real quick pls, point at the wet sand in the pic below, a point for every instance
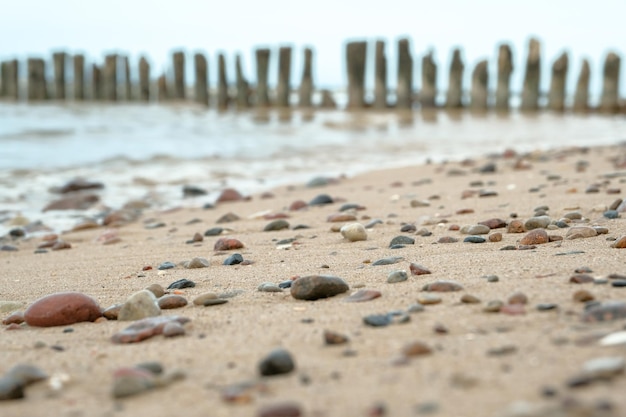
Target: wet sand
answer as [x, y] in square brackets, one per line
[538, 351]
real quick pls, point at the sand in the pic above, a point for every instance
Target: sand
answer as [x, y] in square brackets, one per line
[223, 344]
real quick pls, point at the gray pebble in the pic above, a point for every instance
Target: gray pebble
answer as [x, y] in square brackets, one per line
[397, 276]
[277, 362]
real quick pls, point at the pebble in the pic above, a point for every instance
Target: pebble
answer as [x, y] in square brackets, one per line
[491, 278]
[111, 313]
[608, 311]
[516, 226]
[513, 309]
[197, 262]
[583, 296]
[193, 191]
[173, 329]
[77, 184]
[227, 244]
[229, 194]
[474, 239]
[613, 339]
[351, 206]
[535, 237]
[202, 298]
[495, 237]
[416, 348]
[415, 308]
[354, 232]
[233, 259]
[277, 362]
[428, 299]
[61, 245]
[16, 317]
[334, 338]
[546, 306]
[340, 217]
[269, 287]
[314, 287]
[377, 320]
[197, 237]
[171, 301]
[470, 299]
[581, 279]
[285, 284]
[284, 409]
[537, 222]
[228, 218]
[494, 223]
[13, 382]
[297, 205]
[518, 298]
[417, 269]
[388, 261]
[580, 232]
[140, 305]
[145, 328]
[274, 225]
[214, 231]
[475, 229]
[180, 284]
[493, 306]
[63, 308]
[442, 286]
[618, 283]
[8, 248]
[215, 302]
[156, 289]
[362, 295]
[619, 243]
[320, 200]
[373, 223]
[402, 240]
[408, 228]
[611, 214]
[447, 239]
[166, 265]
[132, 381]
[397, 276]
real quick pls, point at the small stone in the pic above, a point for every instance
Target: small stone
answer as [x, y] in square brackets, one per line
[362, 295]
[417, 269]
[201, 299]
[61, 245]
[518, 298]
[156, 289]
[340, 217]
[314, 287]
[285, 284]
[13, 382]
[415, 308]
[493, 306]
[197, 237]
[416, 349]
[132, 381]
[277, 362]
[377, 320]
[492, 278]
[619, 243]
[402, 240]
[618, 283]
[353, 232]
[397, 276]
[408, 228]
[145, 328]
[228, 218]
[16, 317]
[195, 263]
[180, 284]
[604, 367]
[193, 191]
[614, 339]
[495, 237]
[475, 229]
[230, 194]
[516, 226]
[581, 279]
[269, 287]
[494, 223]
[214, 302]
[111, 313]
[608, 311]
[166, 265]
[546, 306]
[321, 200]
[579, 232]
[442, 286]
[583, 296]
[140, 305]
[537, 222]
[284, 409]
[502, 350]
[227, 244]
[611, 214]
[474, 239]
[351, 206]
[447, 239]
[61, 309]
[388, 261]
[233, 259]
[470, 299]
[334, 338]
[171, 301]
[513, 309]
[173, 329]
[535, 237]
[428, 299]
[274, 225]
[214, 231]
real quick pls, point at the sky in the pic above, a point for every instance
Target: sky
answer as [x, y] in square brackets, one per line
[157, 27]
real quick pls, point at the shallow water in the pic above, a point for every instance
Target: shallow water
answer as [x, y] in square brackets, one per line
[150, 152]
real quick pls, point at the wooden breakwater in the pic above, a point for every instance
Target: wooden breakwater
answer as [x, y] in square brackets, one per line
[112, 80]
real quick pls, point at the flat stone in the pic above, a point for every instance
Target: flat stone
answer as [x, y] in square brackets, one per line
[604, 367]
[362, 295]
[402, 240]
[321, 199]
[269, 287]
[474, 239]
[180, 284]
[61, 309]
[334, 338]
[475, 229]
[428, 299]
[470, 299]
[283, 409]
[274, 225]
[314, 287]
[171, 301]
[581, 279]
[227, 244]
[494, 223]
[145, 328]
[140, 305]
[388, 261]
[277, 362]
[447, 239]
[442, 286]
[197, 262]
[537, 222]
[578, 232]
[233, 259]
[377, 320]
[353, 232]
[214, 231]
[200, 300]
[535, 237]
[397, 276]
[228, 218]
[166, 265]
[20, 376]
[416, 349]
[341, 217]
[608, 311]
[417, 269]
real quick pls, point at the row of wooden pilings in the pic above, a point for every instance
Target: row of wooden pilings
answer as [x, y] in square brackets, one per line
[113, 81]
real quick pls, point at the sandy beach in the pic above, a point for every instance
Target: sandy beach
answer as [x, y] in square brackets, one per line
[523, 359]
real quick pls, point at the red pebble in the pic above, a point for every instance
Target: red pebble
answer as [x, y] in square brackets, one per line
[146, 268]
[227, 244]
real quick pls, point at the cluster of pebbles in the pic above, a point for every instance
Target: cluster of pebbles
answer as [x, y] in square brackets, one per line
[157, 312]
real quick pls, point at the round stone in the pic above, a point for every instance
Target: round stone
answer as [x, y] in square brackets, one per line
[61, 309]
[278, 224]
[354, 232]
[314, 287]
[397, 276]
[277, 362]
[197, 263]
[535, 237]
[170, 301]
[140, 305]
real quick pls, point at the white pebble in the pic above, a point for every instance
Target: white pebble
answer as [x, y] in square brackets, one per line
[353, 232]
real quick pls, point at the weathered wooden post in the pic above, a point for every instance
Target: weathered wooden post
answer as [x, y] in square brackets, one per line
[283, 87]
[405, 76]
[201, 92]
[581, 97]
[127, 81]
[609, 102]
[428, 95]
[109, 78]
[59, 59]
[222, 83]
[480, 87]
[179, 75]
[505, 68]
[556, 97]
[262, 65]
[162, 93]
[243, 88]
[144, 79]
[380, 76]
[36, 79]
[355, 58]
[305, 93]
[79, 77]
[532, 77]
[454, 96]
[13, 89]
[98, 90]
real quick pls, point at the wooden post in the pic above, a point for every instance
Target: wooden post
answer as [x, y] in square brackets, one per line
[454, 96]
[355, 58]
[243, 88]
[98, 89]
[79, 77]
[404, 93]
[505, 68]
[179, 75]
[144, 79]
[556, 97]
[532, 78]
[127, 82]
[222, 83]
[36, 79]
[59, 59]
[109, 78]
[12, 79]
[305, 93]
[609, 102]
[262, 65]
[480, 87]
[201, 92]
[428, 95]
[283, 88]
[3, 79]
[162, 93]
[380, 76]
[581, 97]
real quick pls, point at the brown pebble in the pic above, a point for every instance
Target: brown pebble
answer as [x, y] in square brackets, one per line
[230, 194]
[340, 217]
[495, 237]
[454, 227]
[334, 338]
[470, 299]
[362, 295]
[60, 245]
[227, 244]
[13, 326]
[447, 239]
[111, 313]
[516, 226]
[440, 329]
[156, 289]
[416, 349]
[619, 243]
[442, 286]
[518, 298]
[581, 279]
[298, 205]
[171, 301]
[286, 409]
[63, 308]
[417, 269]
[583, 296]
[494, 223]
[535, 237]
[14, 318]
